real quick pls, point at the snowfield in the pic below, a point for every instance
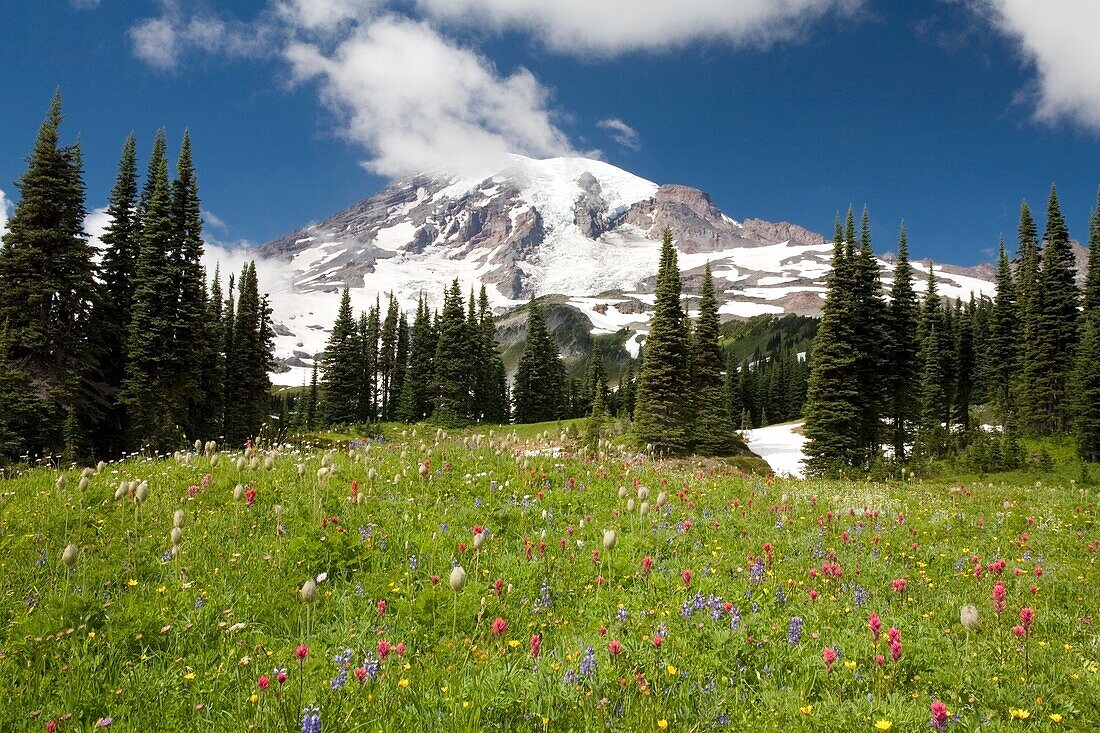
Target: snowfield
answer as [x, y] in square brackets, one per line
[780, 446]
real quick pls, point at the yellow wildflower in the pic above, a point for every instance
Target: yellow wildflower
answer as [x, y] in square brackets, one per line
[806, 709]
[671, 669]
[1056, 717]
[131, 582]
[1019, 713]
[662, 724]
[403, 683]
[254, 698]
[883, 724]
[849, 664]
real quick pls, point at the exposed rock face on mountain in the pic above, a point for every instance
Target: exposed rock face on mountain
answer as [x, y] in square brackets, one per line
[572, 227]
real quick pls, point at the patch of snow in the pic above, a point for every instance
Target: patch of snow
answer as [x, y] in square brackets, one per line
[394, 239]
[746, 309]
[780, 446]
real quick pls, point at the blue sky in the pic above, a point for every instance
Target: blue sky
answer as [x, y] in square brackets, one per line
[942, 113]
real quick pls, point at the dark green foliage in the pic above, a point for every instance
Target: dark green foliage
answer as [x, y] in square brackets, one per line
[342, 363]
[387, 361]
[247, 383]
[1055, 316]
[539, 388]
[367, 364]
[46, 288]
[121, 240]
[454, 377]
[151, 401]
[594, 428]
[492, 382]
[832, 399]
[712, 429]
[901, 343]
[659, 409]
[963, 337]
[400, 367]
[870, 333]
[1004, 360]
[935, 337]
[1092, 278]
[1086, 393]
[416, 392]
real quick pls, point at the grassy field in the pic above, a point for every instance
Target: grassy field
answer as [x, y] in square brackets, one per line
[720, 602]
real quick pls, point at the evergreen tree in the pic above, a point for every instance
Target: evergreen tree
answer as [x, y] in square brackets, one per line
[369, 337]
[539, 388]
[595, 377]
[935, 400]
[869, 311]
[229, 317]
[416, 392]
[453, 393]
[492, 378]
[312, 398]
[387, 359]
[189, 314]
[1004, 362]
[400, 367]
[832, 417]
[1092, 278]
[209, 403]
[964, 361]
[712, 424]
[247, 410]
[1086, 392]
[901, 343]
[46, 285]
[595, 426]
[1055, 317]
[121, 239]
[150, 373]
[659, 416]
[341, 366]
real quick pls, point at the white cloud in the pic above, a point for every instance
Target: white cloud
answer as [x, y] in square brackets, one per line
[1060, 40]
[84, 4]
[156, 42]
[621, 133]
[6, 207]
[420, 102]
[324, 15]
[274, 276]
[95, 224]
[609, 27]
[210, 219]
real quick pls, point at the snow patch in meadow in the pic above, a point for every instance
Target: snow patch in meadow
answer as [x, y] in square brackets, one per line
[780, 446]
[746, 309]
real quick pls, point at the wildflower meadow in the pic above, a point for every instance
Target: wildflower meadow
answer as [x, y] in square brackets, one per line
[497, 581]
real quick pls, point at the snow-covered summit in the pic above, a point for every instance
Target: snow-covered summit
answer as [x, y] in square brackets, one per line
[575, 227]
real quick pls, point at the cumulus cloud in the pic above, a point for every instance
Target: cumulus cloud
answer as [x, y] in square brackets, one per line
[621, 133]
[5, 211]
[609, 27]
[230, 258]
[420, 102]
[1059, 40]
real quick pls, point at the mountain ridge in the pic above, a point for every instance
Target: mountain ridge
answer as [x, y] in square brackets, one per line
[572, 227]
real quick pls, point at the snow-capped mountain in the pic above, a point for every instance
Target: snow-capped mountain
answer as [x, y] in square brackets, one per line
[573, 227]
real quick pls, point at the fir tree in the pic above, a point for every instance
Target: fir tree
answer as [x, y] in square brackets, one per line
[453, 394]
[208, 402]
[659, 419]
[1092, 278]
[416, 392]
[400, 367]
[370, 328]
[1004, 361]
[901, 344]
[189, 314]
[869, 312]
[1086, 393]
[492, 378]
[539, 388]
[148, 387]
[121, 239]
[387, 359]
[964, 361]
[341, 367]
[832, 416]
[47, 289]
[712, 424]
[595, 425]
[247, 412]
[1055, 317]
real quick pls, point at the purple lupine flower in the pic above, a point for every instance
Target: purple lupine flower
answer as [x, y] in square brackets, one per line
[794, 630]
[311, 720]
